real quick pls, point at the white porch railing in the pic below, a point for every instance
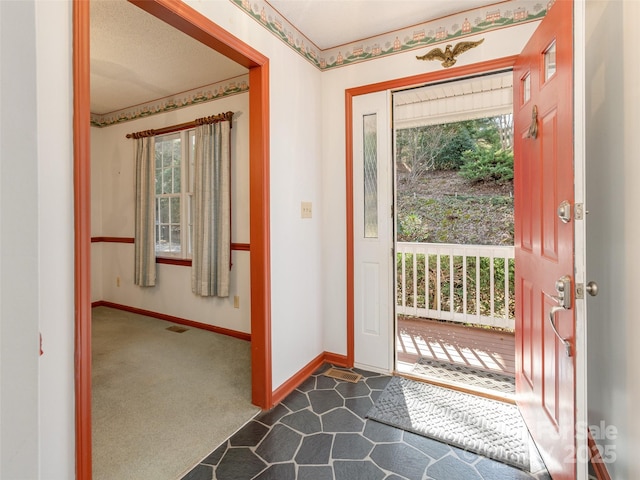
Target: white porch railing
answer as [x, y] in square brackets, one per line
[462, 283]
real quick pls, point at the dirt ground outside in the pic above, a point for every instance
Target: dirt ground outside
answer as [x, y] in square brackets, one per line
[443, 207]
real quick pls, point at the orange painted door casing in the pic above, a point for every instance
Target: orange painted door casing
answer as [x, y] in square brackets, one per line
[544, 244]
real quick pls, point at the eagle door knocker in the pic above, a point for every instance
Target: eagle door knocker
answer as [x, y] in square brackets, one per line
[450, 53]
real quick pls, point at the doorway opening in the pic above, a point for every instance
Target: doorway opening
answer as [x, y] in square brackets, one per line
[454, 234]
[550, 367]
[194, 24]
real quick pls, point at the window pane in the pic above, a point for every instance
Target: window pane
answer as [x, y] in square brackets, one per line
[165, 153]
[176, 180]
[175, 238]
[168, 193]
[175, 210]
[526, 88]
[176, 153]
[159, 169]
[550, 61]
[158, 179]
[168, 158]
[163, 244]
[163, 210]
[370, 139]
[167, 180]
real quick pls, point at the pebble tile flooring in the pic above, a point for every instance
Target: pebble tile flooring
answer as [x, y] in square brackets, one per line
[319, 432]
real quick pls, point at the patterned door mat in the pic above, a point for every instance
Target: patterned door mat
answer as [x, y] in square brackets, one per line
[486, 427]
[465, 375]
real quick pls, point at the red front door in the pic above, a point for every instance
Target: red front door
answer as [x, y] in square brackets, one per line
[544, 189]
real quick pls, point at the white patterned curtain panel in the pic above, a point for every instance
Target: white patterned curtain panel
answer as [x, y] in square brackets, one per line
[145, 249]
[212, 210]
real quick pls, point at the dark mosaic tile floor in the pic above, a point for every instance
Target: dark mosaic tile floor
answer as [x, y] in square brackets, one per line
[319, 433]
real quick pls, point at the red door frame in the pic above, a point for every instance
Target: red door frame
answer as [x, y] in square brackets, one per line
[204, 30]
[396, 84]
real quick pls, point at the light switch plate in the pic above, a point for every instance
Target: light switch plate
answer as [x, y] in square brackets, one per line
[305, 210]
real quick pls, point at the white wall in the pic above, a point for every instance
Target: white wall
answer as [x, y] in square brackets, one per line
[612, 197]
[307, 257]
[297, 314]
[36, 236]
[113, 200]
[55, 204]
[19, 293]
[497, 44]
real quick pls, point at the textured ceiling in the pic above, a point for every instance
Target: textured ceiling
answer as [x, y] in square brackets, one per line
[330, 23]
[136, 58]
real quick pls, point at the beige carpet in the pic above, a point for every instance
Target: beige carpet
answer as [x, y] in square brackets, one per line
[162, 400]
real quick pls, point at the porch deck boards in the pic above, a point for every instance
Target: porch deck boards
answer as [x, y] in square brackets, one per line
[476, 347]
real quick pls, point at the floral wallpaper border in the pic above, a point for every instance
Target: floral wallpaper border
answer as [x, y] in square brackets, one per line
[189, 98]
[500, 15]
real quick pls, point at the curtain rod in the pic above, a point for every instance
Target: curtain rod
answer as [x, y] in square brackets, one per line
[221, 117]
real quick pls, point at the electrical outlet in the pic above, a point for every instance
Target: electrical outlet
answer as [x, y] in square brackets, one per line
[117, 281]
[236, 301]
[305, 210]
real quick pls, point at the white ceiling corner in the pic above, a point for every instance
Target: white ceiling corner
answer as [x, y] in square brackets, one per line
[331, 23]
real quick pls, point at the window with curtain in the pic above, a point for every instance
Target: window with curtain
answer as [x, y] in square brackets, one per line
[183, 202]
[174, 157]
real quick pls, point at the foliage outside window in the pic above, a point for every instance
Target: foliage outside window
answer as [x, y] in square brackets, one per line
[174, 155]
[442, 147]
[455, 182]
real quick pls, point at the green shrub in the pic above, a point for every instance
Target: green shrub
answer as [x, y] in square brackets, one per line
[456, 141]
[487, 165]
